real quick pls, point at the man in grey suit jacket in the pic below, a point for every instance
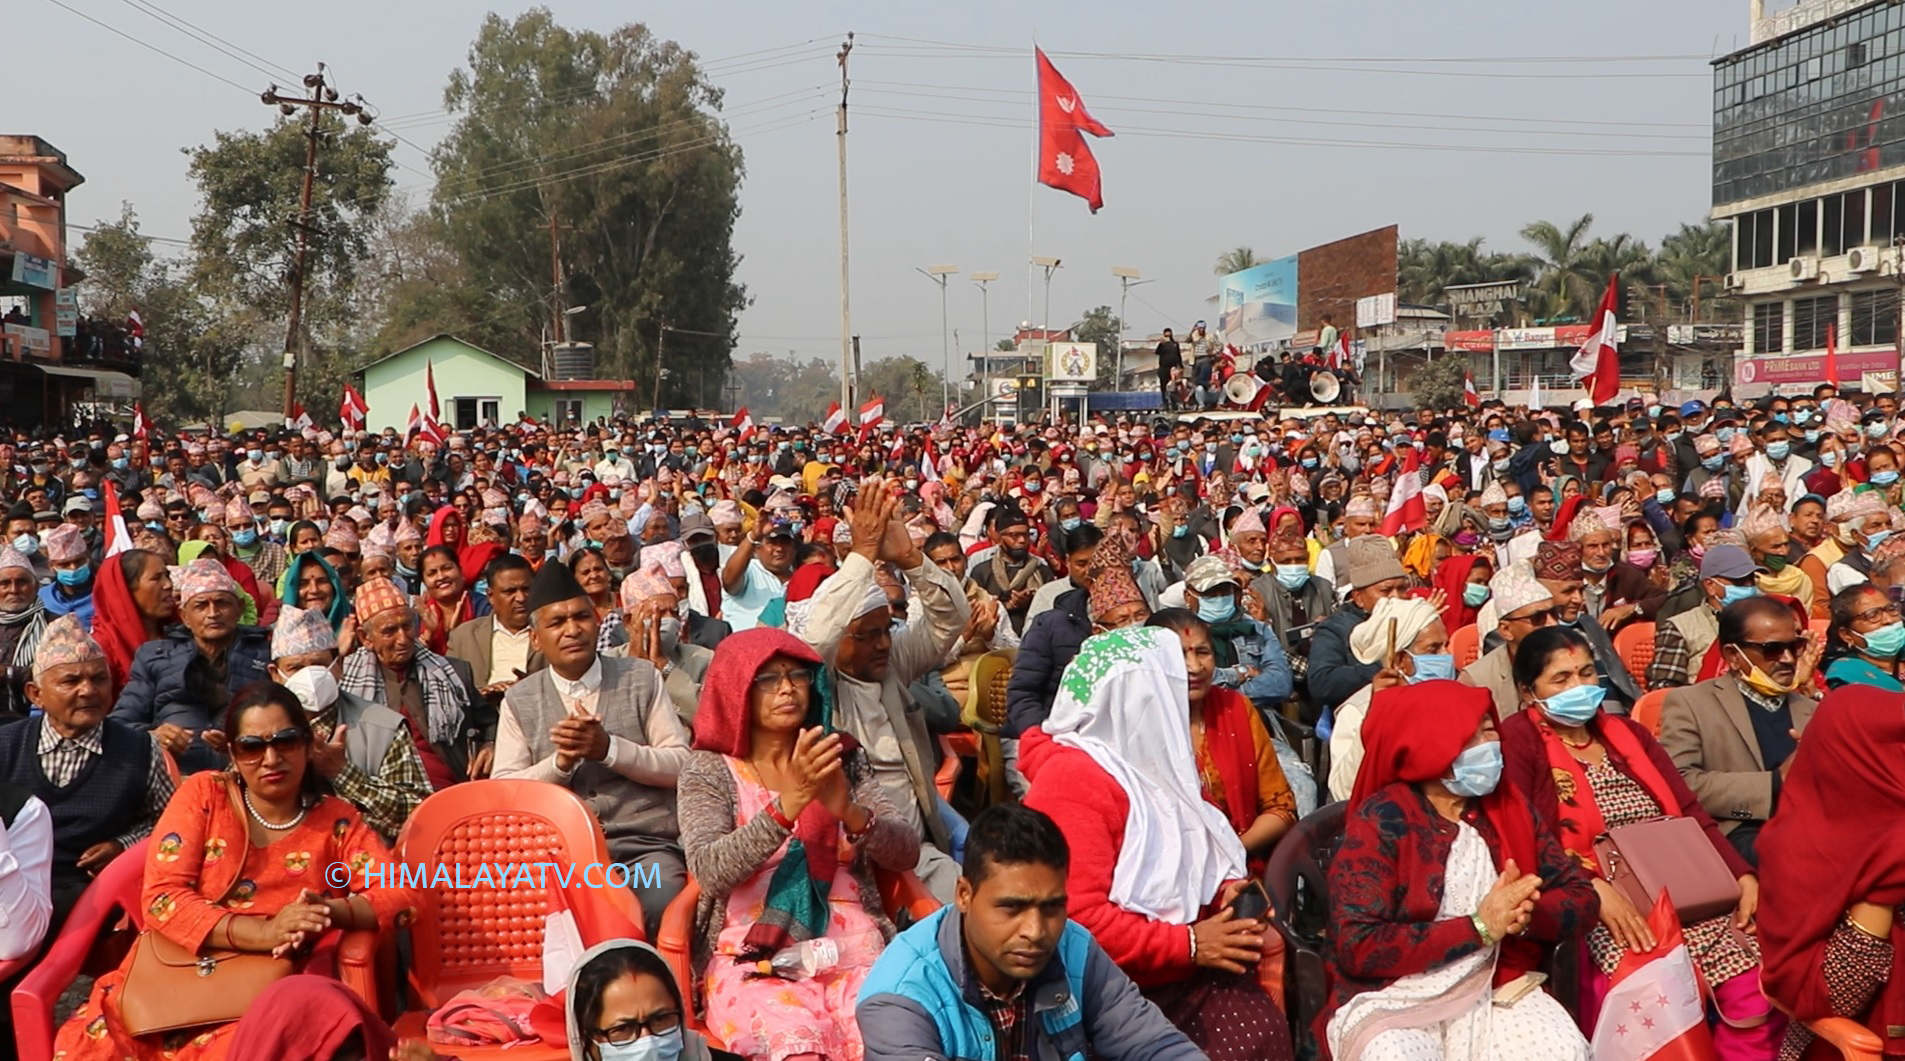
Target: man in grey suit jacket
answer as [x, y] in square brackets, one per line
[1733, 737]
[497, 646]
[605, 729]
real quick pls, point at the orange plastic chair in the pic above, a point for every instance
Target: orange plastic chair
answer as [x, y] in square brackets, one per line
[1465, 644]
[465, 937]
[1854, 1041]
[1647, 710]
[1634, 644]
[903, 894]
[948, 774]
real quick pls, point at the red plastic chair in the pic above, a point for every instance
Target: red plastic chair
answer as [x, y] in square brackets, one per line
[465, 937]
[1634, 644]
[899, 893]
[947, 776]
[98, 934]
[1465, 644]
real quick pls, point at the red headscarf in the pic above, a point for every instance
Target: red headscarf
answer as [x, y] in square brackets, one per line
[1838, 839]
[470, 559]
[1451, 577]
[117, 624]
[1413, 733]
[1564, 515]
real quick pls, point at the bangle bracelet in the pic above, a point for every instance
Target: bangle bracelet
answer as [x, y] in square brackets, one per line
[1193, 929]
[780, 817]
[1481, 929]
[854, 836]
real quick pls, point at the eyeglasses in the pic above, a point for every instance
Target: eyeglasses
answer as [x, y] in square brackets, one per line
[251, 748]
[1777, 649]
[870, 637]
[771, 680]
[1540, 618]
[1883, 611]
[624, 1032]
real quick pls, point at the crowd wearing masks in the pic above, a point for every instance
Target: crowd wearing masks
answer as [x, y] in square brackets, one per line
[1079, 683]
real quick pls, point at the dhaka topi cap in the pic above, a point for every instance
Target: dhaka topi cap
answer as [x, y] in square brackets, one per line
[300, 632]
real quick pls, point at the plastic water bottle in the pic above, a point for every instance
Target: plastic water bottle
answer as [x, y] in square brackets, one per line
[802, 960]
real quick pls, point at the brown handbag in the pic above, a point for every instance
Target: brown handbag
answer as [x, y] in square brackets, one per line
[1672, 853]
[168, 987]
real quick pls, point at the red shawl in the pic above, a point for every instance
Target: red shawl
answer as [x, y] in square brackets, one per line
[1581, 819]
[1230, 748]
[1413, 733]
[117, 624]
[1451, 577]
[1558, 531]
[446, 528]
[436, 621]
[1837, 839]
[310, 1018]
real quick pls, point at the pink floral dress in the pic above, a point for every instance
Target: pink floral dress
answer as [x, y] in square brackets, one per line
[764, 1017]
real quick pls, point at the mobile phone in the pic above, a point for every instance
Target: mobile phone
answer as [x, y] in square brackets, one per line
[1252, 903]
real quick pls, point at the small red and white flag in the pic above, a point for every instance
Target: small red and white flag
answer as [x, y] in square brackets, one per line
[353, 409]
[298, 418]
[136, 327]
[836, 419]
[1469, 396]
[118, 538]
[430, 385]
[742, 424]
[928, 464]
[1832, 356]
[1065, 160]
[1339, 357]
[873, 411]
[140, 429]
[1407, 512]
[1653, 1010]
[413, 425]
[433, 432]
[1598, 362]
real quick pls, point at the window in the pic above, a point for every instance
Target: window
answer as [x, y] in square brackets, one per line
[1875, 317]
[1811, 316]
[1808, 212]
[1753, 248]
[490, 409]
[1769, 328]
[1853, 230]
[470, 411]
[1882, 213]
[1832, 241]
[568, 412]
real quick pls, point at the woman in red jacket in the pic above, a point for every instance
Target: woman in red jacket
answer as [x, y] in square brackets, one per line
[1154, 865]
[1586, 772]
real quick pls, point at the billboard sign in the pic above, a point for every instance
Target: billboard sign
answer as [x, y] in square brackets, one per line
[32, 339]
[1258, 305]
[1374, 311]
[1811, 368]
[1072, 361]
[36, 272]
[65, 313]
[1472, 342]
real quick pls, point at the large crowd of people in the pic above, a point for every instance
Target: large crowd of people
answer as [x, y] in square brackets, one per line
[1493, 637]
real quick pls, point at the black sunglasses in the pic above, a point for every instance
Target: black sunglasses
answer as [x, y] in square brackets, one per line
[1776, 649]
[251, 748]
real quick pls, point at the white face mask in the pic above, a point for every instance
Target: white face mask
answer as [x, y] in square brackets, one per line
[315, 687]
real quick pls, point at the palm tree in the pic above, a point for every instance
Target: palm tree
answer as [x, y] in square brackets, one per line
[1236, 260]
[1566, 281]
[1694, 251]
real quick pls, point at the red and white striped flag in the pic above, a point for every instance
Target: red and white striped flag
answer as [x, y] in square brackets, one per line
[873, 411]
[140, 429]
[1469, 397]
[413, 425]
[1598, 362]
[353, 409]
[136, 327]
[298, 418]
[430, 385]
[433, 431]
[836, 419]
[1339, 357]
[742, 425]
[1407, 512]
[1653, 1010]
[118, 538]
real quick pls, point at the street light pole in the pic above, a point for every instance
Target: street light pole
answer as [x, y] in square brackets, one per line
[938, 274]
[985, 335]
[1126, 278]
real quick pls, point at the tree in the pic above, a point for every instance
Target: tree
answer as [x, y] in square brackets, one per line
[245, 236]
[610, 145]
[1424, 269]
[1696, 251]
[1236, 260]
[1099, 325]
[1439, 384]
[910, 386]
[1566, 282]
[1005, 346]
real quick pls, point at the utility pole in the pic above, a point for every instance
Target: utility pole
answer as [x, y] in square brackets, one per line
[323, 97]
[555, 271]
[846, 316]
[985, 341]
[661, 342]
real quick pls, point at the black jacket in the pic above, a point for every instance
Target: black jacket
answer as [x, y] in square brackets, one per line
[1048, 647]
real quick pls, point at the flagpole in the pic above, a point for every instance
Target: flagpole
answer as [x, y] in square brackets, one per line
[1031, 201]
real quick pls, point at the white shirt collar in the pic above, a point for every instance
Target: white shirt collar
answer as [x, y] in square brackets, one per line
[590, 681]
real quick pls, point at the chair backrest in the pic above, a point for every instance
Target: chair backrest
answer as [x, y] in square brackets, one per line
[985, 690]
[1465, 644]
[1634, 644]
[1298, 879]
[465, 936]
[1648, 708]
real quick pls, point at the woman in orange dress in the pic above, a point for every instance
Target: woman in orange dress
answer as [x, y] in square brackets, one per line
[216, 881]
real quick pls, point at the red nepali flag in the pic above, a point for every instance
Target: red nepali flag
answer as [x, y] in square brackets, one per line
[1469, 397]
[1832, 357]
[1065, 160]
[1598, 362]
[836, 419]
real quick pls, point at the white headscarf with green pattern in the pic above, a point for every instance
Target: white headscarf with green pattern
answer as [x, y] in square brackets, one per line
[1125, 701]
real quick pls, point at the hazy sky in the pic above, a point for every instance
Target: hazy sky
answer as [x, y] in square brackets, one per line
[1240, 123]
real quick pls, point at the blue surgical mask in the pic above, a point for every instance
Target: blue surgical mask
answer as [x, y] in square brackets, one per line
[1292, 576]
[1781, 417]
[1559, 447]
[1876, 539]
[1885, 478]
[1725, 435]
[1875, 430]
[257, 455]
[75, 577]
[1475, 594]
[1812, 434]
[1829, 458]
[1180, 531]
[1237, 440]
[1216, 609]
[1517, 504]
[1653, 410]
[1476, 771]
[1665, 495]
[1779, 450]
[1499, 523]
[1736, 594]
[663, 1047]
[1887, 641]
[1310, 462]
[245, 538]
[1433, 666]
[27, 543]
[121, 463]
[1574, 706]
[1712, 463]
[1501, 467]
[1070, 523]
